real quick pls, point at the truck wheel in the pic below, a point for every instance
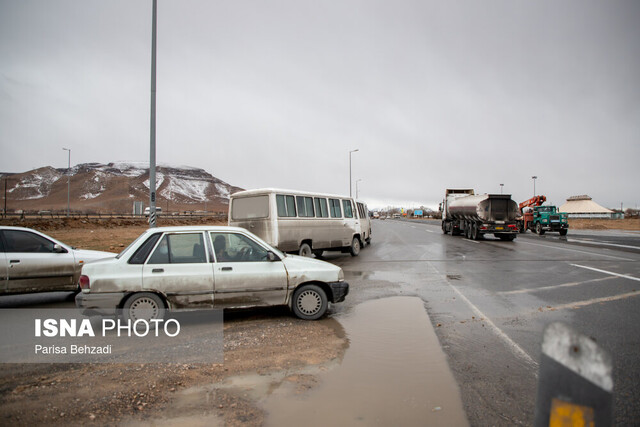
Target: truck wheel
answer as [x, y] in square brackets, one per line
[143, 306]
[309, 302]
[305, 250]
[563, 232]
[354, 249]
[539, 229]
[444, 228]
[474, 232]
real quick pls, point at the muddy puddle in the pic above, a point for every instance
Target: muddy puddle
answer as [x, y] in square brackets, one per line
[392, 373]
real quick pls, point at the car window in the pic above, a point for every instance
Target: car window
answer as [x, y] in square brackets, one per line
[348, 208]
[184, 248]
[142, 252]
[235, 247]
[24, 241]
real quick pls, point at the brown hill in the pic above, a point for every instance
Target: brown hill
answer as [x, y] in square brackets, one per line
[113, 188]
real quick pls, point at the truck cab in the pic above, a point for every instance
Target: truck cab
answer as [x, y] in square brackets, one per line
[547, 218]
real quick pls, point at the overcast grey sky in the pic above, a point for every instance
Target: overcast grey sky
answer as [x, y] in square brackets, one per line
[261, 93]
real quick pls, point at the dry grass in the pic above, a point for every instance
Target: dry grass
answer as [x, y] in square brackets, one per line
[604, 224]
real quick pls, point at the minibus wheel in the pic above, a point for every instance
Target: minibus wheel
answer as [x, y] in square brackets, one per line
[354, 249]
[305, 250]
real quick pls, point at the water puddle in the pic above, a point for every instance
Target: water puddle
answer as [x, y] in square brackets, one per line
[393, 373]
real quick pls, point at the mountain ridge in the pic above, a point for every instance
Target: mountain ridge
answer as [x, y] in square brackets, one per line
[113, 187]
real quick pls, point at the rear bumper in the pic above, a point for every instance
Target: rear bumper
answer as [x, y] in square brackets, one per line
[339, 291]
[99, 303]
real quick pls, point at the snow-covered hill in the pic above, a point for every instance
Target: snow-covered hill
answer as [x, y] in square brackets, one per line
[113, 188]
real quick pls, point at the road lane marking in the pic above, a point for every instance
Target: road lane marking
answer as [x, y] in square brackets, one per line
[590, 242]
[546, 288]
[576, 250]
[429, 231]
[580, 304]
[515, 348]
[625, 276]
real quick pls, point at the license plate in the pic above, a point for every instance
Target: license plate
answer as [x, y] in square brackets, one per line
[499, 228]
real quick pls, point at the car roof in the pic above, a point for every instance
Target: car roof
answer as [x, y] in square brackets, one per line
[195, 228]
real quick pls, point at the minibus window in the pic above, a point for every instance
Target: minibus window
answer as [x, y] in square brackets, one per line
[334, 208]
[250, 207]
[348, 208]
[321, 208]
[286, 205]
[305, 206]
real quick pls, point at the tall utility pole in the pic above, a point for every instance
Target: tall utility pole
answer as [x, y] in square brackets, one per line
[352, 151]
[68, 180]
[534, 185]
[152, 148]
[4, 213]
[501, 187]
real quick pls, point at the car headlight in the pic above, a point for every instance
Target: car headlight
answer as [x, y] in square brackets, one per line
[341, 276]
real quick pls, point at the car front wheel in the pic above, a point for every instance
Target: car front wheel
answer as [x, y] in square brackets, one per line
[309, 302]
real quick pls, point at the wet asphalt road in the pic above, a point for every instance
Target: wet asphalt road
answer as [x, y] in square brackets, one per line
[489, 302]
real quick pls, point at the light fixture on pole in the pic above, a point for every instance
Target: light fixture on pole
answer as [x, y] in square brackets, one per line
[352, 151]
[534, 185]
[357, 181]
[68, 180]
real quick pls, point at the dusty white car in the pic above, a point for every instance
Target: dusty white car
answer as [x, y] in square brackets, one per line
[31, 261]
[170, 268]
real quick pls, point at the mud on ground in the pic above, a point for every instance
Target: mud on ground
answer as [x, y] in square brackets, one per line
[255, 341]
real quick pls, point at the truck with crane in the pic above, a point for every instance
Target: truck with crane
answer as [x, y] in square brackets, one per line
[464, 212]
[540, 219]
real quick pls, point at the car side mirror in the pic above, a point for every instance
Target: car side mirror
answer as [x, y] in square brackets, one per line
[271, 257]
[59, 249]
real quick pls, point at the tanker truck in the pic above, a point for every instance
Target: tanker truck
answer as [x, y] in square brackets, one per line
[474, 215]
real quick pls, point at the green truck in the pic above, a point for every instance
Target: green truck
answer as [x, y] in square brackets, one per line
[541, 219]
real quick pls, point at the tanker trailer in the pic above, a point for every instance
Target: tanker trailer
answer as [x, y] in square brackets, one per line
[477, 215]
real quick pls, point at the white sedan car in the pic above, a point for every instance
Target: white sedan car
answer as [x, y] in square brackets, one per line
[170, 268]
[31, 261]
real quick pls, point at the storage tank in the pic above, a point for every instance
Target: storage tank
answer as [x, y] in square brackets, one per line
[484, 207]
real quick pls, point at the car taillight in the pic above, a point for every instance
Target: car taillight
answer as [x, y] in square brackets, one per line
[84, 282]
[512, 226]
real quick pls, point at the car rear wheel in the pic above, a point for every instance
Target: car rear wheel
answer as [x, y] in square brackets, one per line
[144, 306]
[309, 302]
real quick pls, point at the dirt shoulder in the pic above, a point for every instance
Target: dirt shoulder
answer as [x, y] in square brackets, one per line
[255, 342]
[605, 224]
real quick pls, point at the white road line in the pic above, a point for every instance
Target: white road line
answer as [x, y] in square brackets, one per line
[603, 244]
[579, 304]
[515, 348]
[625, 276]
[429, 231]
[546, 288]
[576, 250]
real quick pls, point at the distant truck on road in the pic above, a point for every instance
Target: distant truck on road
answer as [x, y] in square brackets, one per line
[541, 219]
[464, 212]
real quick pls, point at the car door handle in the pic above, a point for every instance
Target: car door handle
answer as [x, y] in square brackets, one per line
[226, 268]
[158, 270]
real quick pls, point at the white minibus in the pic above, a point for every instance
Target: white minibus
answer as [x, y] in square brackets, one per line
[302, 222]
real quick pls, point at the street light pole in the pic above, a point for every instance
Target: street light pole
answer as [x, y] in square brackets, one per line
[352, 151]
[501, 186]
[152, 143]
[534, 185]
[68, 180]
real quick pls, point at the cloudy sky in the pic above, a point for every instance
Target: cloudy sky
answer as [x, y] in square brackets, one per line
[261, 93]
